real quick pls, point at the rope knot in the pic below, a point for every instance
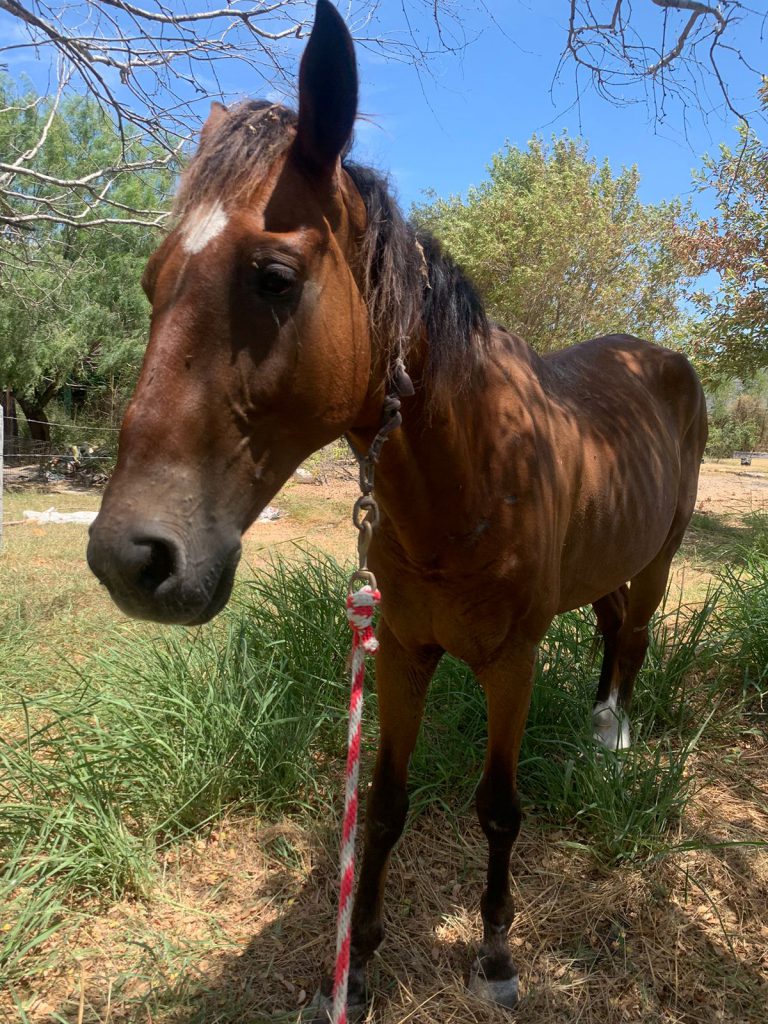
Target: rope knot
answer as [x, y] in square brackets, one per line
[361, 604]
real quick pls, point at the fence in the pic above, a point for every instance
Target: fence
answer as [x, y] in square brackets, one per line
[81, 454]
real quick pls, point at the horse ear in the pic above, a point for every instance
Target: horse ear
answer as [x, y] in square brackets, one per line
[217, 115]
[327, 93]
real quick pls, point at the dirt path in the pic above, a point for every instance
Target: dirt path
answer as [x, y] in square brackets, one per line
[726, 487]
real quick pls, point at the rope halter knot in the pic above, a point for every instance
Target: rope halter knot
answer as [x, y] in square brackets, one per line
[361, 605]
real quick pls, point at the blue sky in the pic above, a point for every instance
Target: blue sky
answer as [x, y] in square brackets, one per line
[441, 133]
[440, 130]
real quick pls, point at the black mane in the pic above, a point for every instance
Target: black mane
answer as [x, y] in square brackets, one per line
[409, 283]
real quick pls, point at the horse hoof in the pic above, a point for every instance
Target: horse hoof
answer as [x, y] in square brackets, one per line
[505, 992]
[320, 1010]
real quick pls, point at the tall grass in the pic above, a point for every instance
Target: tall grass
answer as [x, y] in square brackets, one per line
[743, 616]
[152, 741]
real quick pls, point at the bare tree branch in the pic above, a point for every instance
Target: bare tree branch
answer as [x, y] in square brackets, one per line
[153, 67]
[618, 58]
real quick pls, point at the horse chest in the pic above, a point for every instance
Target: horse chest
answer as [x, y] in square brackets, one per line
[469, 609]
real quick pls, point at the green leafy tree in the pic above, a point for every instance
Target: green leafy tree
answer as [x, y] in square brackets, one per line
[561, 248]
[738, 417]
[72, 312]
[732, 336]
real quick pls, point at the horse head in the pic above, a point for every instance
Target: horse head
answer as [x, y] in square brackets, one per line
[260, 342]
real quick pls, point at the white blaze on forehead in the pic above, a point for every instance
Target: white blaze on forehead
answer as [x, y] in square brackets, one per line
[202, 225]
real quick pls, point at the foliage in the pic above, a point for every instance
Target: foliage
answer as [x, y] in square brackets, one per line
[733, 337]
[738, 418]
[744, 615]
[73, 311]
[561, 248]
[153, 67]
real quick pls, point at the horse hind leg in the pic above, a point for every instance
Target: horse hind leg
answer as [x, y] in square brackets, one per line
[626, 643]
[623, 616]
[610, 724]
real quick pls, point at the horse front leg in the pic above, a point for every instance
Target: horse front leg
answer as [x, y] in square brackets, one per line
[507, 684]
[402, 679]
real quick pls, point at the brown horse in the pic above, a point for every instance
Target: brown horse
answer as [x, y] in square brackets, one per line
[518, 487]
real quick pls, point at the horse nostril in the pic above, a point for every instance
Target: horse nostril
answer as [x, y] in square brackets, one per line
[159, 566]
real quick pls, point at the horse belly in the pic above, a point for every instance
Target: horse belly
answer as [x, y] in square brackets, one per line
[614, 539]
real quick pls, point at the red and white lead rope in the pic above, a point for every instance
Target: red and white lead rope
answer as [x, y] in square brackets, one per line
[360, 608]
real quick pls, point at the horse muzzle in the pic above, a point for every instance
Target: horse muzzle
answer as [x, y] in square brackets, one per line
[154, 572]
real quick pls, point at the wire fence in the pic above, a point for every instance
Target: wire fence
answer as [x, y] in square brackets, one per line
[79, 454]
[19, 439]
[76, 427]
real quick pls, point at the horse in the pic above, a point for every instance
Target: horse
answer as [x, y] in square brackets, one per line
[287, 299]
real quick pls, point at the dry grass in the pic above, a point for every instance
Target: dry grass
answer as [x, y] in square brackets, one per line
[239, 923]
[240, 920]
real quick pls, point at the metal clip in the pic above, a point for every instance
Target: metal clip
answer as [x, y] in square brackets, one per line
[364, 576]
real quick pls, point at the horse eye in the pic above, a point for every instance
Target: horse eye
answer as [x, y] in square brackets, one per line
[276, 279]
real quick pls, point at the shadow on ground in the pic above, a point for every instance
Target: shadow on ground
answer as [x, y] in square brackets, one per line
[713, 539]
[661, 945]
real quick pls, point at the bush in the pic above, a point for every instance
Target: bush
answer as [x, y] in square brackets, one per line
[738, 419]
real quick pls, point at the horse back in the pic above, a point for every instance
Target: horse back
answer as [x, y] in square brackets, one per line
[619, 375]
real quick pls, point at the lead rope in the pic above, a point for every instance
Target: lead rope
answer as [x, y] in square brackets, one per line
[360, 608]
[361, 605]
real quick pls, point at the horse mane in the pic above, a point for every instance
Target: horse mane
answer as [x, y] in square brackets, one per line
[408, 281]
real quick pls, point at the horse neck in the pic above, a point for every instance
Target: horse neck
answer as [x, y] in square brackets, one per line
[431, 478]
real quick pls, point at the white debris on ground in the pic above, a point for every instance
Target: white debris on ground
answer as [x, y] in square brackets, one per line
[52, 515]
[270, 514]
[303, 476]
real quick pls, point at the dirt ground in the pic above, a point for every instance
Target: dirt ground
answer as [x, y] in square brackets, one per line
[318, 513]
[242, 919]
[725, 487]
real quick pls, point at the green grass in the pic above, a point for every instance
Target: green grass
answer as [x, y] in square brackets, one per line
[619, 805]
[133, 749]
[744, 619]
[717, 539]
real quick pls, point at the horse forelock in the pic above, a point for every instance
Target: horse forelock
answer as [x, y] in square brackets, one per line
[232, 157]
[410, 285]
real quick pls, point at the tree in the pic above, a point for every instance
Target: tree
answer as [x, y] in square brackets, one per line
[738, 417]
[153, 68]
[72, 309]
[732, 336]
[562, 249]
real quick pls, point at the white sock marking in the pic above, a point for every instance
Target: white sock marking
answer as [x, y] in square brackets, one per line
[202, 226]
[610, 724]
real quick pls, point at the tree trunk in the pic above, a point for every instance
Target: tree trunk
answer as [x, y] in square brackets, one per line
[10, 422]
[39, 427]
